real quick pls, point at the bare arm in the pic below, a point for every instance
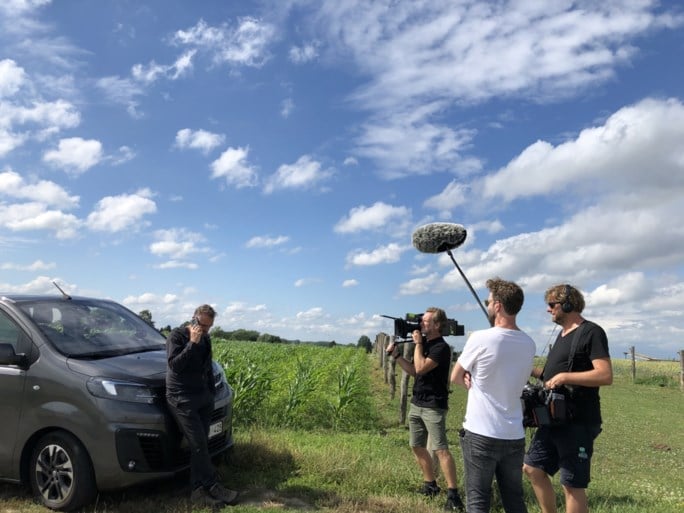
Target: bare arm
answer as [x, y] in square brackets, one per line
[600, 375]
[407, 366]
[460, 376]
[421, 364]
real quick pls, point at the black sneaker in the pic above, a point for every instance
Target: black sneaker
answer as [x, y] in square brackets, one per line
[222, 494]
[429, 490]
[201, 498]
[454, 503]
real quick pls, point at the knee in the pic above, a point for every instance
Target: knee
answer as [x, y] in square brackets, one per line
[532, 473]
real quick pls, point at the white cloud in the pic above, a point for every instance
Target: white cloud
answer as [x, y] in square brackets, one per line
[350, 283]
[303, 174]
[12, 77]
[124, 155]
[149, 298]
[234, 167]
[406, 143]
[638, 147]
[39, 285]
[303, 54]
[237, 307]
[153, 71]
[13, 185]
[376, 217]
[454, 195]
[123, 91]
[177, 243]
[303, 282]
[470, 52]
[245, 44]
[36, 216]
[198, 139]
[124, 212]
[286, 107]
[39, 119]
[75, 155]
[177, 264]
[388, 254]
[38, 265]
[266, 242]
[310, 314]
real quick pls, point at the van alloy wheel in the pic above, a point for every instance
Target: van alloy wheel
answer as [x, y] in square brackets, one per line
[61, 472]
[54, 473]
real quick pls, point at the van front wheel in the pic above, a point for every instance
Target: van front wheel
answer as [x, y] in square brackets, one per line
[61, 473]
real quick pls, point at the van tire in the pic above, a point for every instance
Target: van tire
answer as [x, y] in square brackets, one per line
[61, 473]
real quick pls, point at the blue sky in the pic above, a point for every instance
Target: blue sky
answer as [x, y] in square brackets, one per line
[273, 158]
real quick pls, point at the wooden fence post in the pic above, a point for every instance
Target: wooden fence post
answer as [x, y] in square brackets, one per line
[681, 371]
[407, 353]
[633, 357]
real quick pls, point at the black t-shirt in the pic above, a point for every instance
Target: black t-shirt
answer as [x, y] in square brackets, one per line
[592, 345]
[431, 390]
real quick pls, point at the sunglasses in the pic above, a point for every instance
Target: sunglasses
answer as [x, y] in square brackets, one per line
[553, 304]
[487, 302]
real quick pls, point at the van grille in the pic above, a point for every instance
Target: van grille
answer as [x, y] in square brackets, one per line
[156, 451]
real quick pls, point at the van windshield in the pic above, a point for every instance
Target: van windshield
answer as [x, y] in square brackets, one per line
[92, 328]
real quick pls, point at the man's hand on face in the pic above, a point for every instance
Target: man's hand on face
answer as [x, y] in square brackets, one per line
[196, 332]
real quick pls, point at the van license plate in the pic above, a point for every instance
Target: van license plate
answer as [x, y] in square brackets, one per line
[215, 429]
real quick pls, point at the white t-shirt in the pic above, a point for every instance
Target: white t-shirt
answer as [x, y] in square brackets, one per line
[499, 361]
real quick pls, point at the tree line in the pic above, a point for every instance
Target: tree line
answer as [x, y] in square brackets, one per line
[252, 335]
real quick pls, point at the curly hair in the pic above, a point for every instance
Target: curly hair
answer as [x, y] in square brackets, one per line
[509, 294]
[565, 293]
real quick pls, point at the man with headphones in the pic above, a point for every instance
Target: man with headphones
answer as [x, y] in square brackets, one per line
[577, 365]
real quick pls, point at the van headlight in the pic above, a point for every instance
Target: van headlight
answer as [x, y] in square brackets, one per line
[219, 374]
[121, 390]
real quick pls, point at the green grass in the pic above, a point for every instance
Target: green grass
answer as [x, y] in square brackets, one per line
[637, 467]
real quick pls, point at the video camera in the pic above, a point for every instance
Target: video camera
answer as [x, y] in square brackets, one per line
[404, 327]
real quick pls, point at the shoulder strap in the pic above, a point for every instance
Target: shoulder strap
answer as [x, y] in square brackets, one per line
[573, 345]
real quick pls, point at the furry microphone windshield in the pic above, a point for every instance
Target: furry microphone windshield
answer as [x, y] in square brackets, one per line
[438, 237]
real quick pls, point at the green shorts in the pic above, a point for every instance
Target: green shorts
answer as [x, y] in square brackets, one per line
[428, 421]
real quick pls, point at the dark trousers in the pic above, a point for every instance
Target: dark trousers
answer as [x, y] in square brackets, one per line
[193, 416]
[485, 458]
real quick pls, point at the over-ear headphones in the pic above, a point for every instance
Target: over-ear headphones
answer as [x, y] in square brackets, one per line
[567, 305]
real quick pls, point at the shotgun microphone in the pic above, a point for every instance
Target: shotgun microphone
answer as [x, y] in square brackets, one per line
[438, 237]
[441, 237]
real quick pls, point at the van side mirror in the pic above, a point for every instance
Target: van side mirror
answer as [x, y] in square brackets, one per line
[9, 357]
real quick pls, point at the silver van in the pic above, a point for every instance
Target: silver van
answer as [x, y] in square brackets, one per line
[82, 401]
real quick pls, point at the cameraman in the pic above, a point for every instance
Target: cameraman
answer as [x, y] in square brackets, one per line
[429, 404]
[494, 366]
[569, 446]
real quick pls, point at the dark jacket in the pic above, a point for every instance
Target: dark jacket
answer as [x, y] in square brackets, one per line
[189, 371]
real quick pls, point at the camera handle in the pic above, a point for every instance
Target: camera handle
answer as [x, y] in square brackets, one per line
[484, 310]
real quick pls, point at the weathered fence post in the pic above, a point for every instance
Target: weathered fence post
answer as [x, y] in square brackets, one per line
[633, 357]
[407, 353]
[392, 372]
[681, 370]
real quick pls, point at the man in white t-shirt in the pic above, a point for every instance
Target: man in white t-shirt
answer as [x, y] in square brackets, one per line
[494, 367]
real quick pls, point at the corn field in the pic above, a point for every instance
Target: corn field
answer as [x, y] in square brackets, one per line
[297, 386]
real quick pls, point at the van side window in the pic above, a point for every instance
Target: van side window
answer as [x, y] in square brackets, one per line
[9, 332]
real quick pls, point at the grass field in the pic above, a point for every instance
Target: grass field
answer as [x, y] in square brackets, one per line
[638, 465]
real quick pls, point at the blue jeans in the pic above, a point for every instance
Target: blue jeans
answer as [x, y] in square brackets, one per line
[483, 459]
